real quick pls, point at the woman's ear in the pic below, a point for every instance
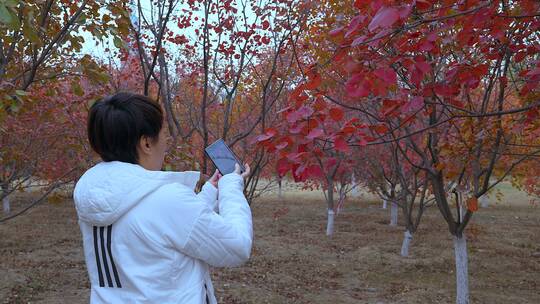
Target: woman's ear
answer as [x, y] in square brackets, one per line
[144, 145]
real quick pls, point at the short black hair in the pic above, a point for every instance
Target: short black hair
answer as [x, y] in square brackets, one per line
[116, 123]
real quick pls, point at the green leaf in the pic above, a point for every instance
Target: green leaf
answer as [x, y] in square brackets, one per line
[93, 70]
[21, 92]
[29, 33]
[91, 102]
[50, 92]
[97, 76]
[119, 43]
[76, 88]
[82, 18]
[11, 3]
[14, 108]
[8, 17]
[5, 15]
[15, 104]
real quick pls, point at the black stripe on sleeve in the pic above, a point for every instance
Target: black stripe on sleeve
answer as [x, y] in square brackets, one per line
[116, 277]
[104, 256]
[96, 252]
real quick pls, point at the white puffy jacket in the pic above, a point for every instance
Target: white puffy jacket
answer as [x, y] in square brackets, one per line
[148, 238]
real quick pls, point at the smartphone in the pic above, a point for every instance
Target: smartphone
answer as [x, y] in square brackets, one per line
[223, 157]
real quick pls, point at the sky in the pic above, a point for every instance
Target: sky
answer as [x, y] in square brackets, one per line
[98, 51]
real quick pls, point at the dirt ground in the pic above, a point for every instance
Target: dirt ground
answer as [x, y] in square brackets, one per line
[293, 261]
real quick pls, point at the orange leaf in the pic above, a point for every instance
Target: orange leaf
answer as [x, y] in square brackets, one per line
[314, 82]
[472, 204]
[348, 129]
[319, 104]
[380, 129]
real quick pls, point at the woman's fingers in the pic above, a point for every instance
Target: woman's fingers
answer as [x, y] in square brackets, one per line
[215, 178]
[248, 170]
[238, 170]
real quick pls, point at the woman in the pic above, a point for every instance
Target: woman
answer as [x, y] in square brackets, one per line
[147, 237]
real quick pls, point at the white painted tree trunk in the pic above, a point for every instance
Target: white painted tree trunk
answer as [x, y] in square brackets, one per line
[330, 223]
[484, 202]
[330, 208]
[393, 214]
[354, 191]
[407, 238]
[462, 271]
[384, 204]
[462, 211]
[6, 205]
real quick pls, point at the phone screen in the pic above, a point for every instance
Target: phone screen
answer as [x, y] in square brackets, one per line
[222, 157]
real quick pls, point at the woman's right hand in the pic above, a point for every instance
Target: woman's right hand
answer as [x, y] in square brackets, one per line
[238, 170]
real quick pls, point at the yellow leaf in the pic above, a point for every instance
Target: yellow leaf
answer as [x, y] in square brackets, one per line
[439, 166]
[55, 198]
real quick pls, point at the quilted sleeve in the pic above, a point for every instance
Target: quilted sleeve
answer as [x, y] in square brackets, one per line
[209, 194]
[221, 240]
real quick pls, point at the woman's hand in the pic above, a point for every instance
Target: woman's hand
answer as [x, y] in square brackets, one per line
[215, 178]
[237, 170]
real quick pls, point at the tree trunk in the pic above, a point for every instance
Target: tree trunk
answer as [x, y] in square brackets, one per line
[384, 204]
[204, 104]
[407, 238]
[6, 206]
[280, 189]
[354, 191]
[330, 223]
[341, 201]
[462, 272]
[393, 214]
[165, 90]
[330, 208]
[484, 202]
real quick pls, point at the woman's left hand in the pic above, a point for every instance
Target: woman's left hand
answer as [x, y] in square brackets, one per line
[215, 178]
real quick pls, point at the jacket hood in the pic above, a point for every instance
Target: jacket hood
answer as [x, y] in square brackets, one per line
[110, 189]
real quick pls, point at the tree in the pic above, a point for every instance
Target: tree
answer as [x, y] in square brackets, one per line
[446, 74]
[314, 145]
[37, 37]
[226, 79]
[387, 174]
[44, 144]
[39, 41]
